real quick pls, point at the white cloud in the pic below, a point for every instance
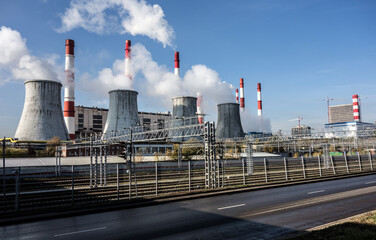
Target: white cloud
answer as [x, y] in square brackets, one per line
[158, 85]
[135, 17]
[16, 63]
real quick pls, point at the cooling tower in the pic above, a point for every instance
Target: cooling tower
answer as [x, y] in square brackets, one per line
[42, 115]
[183, 107]
[229, 124]
[123, 111]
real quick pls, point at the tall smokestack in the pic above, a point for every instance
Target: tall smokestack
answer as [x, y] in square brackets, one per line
[69, 88]
[177, 64]
[237, 95]
[128, 59]
[356, 109]
[199, 109]
[259, 102]
[242, 103]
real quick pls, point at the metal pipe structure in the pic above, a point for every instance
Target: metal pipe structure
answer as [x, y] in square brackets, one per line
[356, 109]
[177, 64]
[259, 101]
[128, 59]
[242, 102]
[69, 88]
[199, 109]
[237, 95]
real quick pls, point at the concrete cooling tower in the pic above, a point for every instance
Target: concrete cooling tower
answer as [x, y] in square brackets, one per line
[184, 107]
[42, 115]
[229, 124]
[123, 111]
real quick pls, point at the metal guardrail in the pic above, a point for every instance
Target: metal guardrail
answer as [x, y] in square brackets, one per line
[33, 188]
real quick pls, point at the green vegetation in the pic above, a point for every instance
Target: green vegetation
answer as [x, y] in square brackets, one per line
[49, 151]
[360, 228]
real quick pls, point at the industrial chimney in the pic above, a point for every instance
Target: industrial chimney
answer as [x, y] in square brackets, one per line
[177, 64]
[356, 109]
[199, 109]
[259, 102]
[42, 117]
[229, 124]
[122, 112]
[128, 73]
[69, 88]
[242, 103]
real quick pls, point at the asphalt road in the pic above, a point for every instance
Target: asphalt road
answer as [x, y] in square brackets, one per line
[263, 214]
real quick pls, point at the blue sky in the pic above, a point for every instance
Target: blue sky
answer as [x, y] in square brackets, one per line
[300, 51]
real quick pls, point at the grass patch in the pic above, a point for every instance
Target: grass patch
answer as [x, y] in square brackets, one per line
[357, 228]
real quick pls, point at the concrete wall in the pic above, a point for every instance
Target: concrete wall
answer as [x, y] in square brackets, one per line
[229, 124]
[42, 115]
[123, 111]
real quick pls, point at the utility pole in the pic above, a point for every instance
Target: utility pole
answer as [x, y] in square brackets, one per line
[4, 168]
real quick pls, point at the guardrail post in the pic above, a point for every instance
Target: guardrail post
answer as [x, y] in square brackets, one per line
[129, 183]
[347, 165]
[334, 170]
[60, 162]
[95, 167]
[243, 171]
[156, 178]
[189, 175]
[72, 184]
[360, 163]
[266, 173]
[285, 163]
[17, 200]
[135, 179]
[117, 180]
[91, 162]
[304, 174]
[105, 165]
[100, 165]
[370, 160]
[57, 159]
[318, 159]
[223, 172]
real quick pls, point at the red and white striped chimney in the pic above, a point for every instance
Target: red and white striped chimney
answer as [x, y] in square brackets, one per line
[69, 88]
[177, 64]
[259, 102]
[128, 59]
[356, 109]
[242, 103]
[237, 95]
[199, 109]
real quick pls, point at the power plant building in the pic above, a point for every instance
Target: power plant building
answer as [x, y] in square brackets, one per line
[301, 131]
[341, 113]
[92, 120]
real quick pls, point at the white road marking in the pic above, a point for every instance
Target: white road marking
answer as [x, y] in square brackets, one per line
[316, 192]
[234, 206]
[88, 230]
[370, 182]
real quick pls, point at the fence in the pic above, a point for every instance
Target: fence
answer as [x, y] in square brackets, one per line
[49, 187]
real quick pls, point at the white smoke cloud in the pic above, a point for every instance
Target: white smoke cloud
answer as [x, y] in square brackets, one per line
[16, 63]
[135, 17]
[252, 123]
[158, 85]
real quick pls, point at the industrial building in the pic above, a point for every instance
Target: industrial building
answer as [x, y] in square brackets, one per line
[92, 120]
[301, 131]
[348, 129]
[341, 113]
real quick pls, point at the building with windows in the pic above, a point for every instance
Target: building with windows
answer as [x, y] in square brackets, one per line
[301, 131]
[92, 120]
[341, 113]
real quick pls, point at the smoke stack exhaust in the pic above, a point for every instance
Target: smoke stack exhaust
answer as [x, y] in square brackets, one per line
[356, 109]
[259, 102]
[237, 95]
[177, 64]
[199, 109]
[128, 59]
[242, 103]
[69, 88]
